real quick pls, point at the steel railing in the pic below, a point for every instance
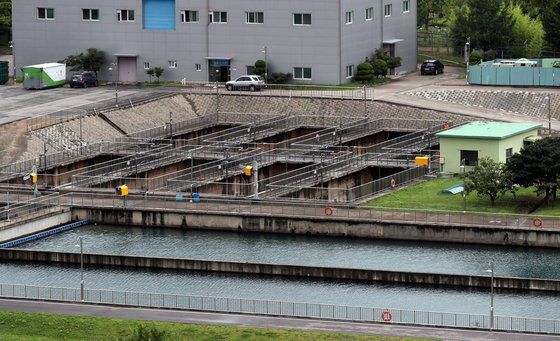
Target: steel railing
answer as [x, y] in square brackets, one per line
[282, 308]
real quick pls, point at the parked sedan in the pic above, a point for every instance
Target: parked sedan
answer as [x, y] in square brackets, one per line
[247, 82]
[431, 67]
[83, 79]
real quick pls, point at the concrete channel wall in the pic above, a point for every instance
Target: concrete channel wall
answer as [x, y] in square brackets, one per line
[281, 270]
[33, 225]
[326, 226]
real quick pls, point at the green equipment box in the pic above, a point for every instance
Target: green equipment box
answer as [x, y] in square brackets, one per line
[3, 72]
[44, 76]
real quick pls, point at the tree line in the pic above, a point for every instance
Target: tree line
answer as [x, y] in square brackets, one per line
[523, 27]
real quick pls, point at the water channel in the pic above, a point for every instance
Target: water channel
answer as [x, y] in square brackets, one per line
[308, 250]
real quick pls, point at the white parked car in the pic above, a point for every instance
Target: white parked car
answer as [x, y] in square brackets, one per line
[246, 82]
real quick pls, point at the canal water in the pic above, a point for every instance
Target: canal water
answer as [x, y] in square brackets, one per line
[308, 250]
[474, 301]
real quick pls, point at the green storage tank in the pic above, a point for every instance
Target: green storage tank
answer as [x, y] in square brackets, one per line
[3, 72]
[44, 76]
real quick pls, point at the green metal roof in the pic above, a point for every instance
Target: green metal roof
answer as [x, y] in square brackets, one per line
[488, 130]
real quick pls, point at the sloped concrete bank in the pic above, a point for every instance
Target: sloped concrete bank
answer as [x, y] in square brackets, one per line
[281, 270]
[327, 226]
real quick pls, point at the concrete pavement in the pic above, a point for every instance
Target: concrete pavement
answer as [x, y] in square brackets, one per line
[264, 321]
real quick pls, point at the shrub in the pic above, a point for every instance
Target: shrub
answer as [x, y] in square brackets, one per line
[475, 58]
[379, 68]
[260, 67]
[489, 55]
[147, 333]
[279, 78]
[365, 72]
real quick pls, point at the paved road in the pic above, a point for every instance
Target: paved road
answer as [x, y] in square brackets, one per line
[263, 321]
[17, 103]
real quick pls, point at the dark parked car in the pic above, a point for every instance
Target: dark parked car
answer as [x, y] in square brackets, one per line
[83, 79]
[431, 67]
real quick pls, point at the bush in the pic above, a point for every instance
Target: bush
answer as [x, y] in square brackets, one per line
[475, 58]
[379, 68]
[393, 62]
[260, 67]
[365, 72]
[279, 78]
[488, 55]
[147, 333]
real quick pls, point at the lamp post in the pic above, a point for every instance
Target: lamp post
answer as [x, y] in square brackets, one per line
[549, 115]
[13, 59]
[116, 69]
[491, 271]
[191, 171]
[81, 246]
[265, 51]
[468, 55]
[171, 128]
[464, 186]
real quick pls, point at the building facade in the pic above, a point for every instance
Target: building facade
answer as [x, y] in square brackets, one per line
[461, 147]
[318, 41]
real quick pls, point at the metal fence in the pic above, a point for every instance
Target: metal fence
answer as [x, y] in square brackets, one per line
[282, 308]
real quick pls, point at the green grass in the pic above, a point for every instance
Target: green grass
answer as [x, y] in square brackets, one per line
[424, 196]
[46, 327]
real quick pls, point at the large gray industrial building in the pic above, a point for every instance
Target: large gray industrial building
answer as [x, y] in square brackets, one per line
[319, 41]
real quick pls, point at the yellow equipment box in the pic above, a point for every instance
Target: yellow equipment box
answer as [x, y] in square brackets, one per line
[122, 190]
[248, 170]
[421, 161]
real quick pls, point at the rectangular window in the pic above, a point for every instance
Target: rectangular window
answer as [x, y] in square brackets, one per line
[509, 153]
[254, 17]
[406, 6]
[218, 17]
[302, 19]
[198, 67]
[189, 16]
[302, 73]
[146, 65]
[45, 13]
[369, 13]
[125, 15]
[349, 71]
[349, 17]
[388, 10]
[90, 14]
[469, 157]
[172, 64]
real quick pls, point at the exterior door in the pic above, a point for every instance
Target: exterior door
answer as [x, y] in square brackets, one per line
[127, 69]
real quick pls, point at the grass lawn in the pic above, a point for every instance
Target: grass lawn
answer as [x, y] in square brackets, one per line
[424, 196]
[44, 327]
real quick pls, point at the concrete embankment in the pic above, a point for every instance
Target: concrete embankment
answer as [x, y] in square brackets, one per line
[281, 270]
[328, 226]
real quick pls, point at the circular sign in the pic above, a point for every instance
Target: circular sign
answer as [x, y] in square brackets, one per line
[537, 222]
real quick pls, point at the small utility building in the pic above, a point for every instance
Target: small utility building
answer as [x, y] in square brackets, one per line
[469, 142]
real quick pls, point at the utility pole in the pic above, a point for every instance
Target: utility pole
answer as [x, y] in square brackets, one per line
[256, 178]
[549, 116]
[171, 127]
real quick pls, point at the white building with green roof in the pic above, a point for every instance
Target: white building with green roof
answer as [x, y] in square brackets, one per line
[469, 142]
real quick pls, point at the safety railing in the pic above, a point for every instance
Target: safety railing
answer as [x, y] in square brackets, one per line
[282, 308]
[316, 209]
[30, 208]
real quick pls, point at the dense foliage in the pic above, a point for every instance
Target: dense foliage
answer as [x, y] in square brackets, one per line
[92, 60]
[520, 27]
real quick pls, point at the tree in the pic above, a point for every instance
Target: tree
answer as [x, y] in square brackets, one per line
[379, 68]
[158, 71]
[365, 72]
[92, 60]
[475, 58]
[538, 165]
[428, 9]
[551, 24]
[260, 67]
[487, 22]
[489, 178]
[150, 72]
[527, 33]
[390, 62]
[5, 15]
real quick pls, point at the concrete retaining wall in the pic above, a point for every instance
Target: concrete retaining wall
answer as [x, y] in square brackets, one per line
[34, 225]
[282, 270]
[322, 226]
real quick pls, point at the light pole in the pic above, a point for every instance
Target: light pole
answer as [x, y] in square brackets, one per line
[171, 127]
[464, 186]
[265, 51]
[468, 55]
[81, 246]
[491, 271]
[191, 171]
[13, 59]
[549, 116]
[116, 69]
